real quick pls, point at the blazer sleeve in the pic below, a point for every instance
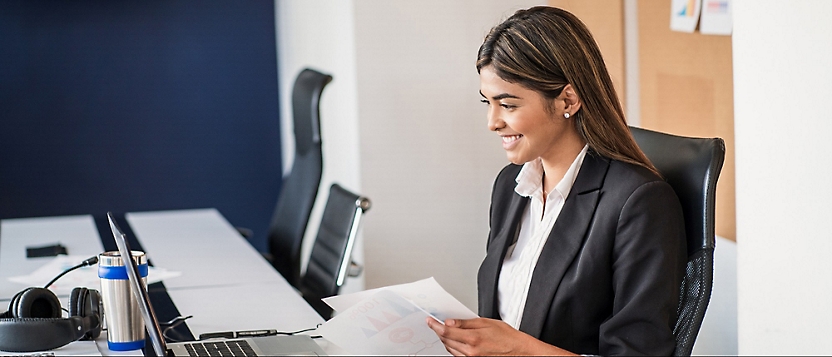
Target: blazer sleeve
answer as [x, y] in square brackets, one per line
[648, 262]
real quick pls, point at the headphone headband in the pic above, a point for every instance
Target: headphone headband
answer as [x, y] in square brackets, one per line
[16, 333]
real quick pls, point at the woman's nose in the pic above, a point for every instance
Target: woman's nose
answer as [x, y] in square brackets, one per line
[494, 121]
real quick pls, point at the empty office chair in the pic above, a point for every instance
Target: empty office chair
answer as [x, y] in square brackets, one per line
[300, 187]
[691, 166]
[329, 261]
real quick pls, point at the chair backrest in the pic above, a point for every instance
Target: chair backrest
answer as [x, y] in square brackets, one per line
[691, 166]
[330, 257]
[300, 186]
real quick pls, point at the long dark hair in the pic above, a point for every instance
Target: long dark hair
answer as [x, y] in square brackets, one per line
[544, 49]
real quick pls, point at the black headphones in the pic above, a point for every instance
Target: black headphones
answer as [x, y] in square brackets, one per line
[34, 323]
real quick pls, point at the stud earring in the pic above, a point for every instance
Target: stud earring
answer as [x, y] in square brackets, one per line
[566, 115]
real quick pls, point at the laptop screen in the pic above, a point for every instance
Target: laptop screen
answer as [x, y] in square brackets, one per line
[139, 290]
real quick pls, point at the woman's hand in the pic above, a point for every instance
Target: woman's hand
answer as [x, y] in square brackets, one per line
[483, 336]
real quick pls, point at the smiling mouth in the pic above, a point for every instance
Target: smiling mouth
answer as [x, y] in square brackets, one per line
[511, 138]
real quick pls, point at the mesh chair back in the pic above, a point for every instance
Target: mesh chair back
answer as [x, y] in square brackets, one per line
[330, 257]
[300, 186]
[691, 166]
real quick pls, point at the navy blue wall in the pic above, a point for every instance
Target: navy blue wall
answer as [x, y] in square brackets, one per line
[139, 105]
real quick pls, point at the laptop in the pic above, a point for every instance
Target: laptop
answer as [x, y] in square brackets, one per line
[250, 346]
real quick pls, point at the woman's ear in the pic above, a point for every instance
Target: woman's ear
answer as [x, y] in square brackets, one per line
[571, 100]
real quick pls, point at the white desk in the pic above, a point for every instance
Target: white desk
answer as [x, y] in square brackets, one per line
[203, 246]
[225, 283]
[77, 233]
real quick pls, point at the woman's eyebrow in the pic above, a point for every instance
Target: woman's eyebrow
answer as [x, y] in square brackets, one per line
[501, 96]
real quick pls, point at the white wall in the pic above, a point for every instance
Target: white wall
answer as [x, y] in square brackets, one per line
[428, 159]
[782, 91]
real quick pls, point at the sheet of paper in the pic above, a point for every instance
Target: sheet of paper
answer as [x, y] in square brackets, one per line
[391, 320]
[717, 18]
[83, 277]
[427, 293]
[684, 15]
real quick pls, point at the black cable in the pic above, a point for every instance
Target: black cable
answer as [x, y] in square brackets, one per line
[300, 331]
[172, 324]
[88, 262]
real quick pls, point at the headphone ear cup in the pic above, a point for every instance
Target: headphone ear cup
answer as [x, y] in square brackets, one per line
[95, 304]
[9, 314]
[84, 303]
[35, 302]
[12, 313]
[76, 301]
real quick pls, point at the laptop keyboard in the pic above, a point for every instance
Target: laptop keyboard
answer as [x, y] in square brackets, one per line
[220, 348]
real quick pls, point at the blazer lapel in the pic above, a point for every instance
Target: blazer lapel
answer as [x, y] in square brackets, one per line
[564, 242]
[490, 268]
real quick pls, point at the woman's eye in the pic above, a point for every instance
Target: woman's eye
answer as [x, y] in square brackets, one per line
[484, 101]
[508, 106]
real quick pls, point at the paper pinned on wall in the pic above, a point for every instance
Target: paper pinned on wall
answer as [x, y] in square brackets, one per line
[391, 320]
[684, 15]
[716, 18]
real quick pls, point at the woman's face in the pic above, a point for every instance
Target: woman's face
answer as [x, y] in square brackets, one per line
[520, 116]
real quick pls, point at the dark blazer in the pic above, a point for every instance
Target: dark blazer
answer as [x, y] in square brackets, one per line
[607, 281]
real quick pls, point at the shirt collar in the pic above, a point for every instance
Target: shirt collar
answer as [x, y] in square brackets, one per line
[530, 179]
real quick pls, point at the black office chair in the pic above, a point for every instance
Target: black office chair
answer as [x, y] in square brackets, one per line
[300, 187]
[330, 260]
[691, 166]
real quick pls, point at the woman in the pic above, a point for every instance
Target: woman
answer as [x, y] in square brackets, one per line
[586, 250]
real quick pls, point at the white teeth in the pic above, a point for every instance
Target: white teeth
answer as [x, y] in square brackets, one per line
[510, 138]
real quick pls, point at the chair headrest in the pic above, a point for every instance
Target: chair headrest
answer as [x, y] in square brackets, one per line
[691, 166]
[306, 96]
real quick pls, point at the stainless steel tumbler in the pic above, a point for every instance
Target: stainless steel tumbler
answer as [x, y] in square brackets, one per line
[125, 327]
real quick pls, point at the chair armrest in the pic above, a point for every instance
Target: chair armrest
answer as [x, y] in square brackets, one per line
[354, 270]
